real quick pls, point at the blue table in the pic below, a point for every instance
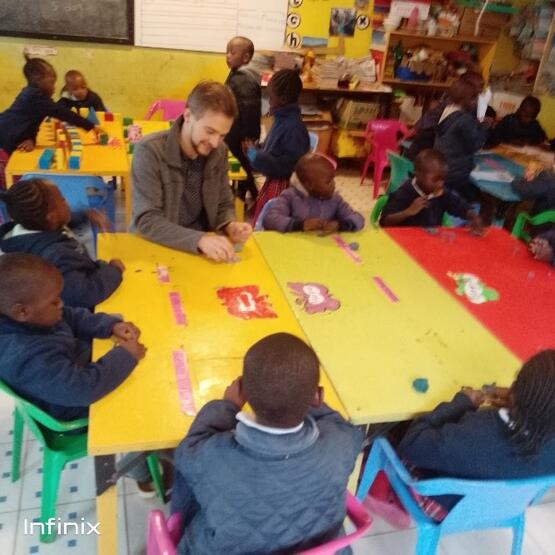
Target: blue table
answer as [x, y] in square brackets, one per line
[498, 189]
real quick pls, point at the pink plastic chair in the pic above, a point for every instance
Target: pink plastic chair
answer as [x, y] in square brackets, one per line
[164, 536]
[385, 136]
[171, 109]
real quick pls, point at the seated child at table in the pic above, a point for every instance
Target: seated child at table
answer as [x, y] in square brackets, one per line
[311, 203]
[244, 81]
[422, 200]
[543, 247]
[522, 127]
[459, 135]
[20, 123]
[287, 139]
[273, 481]
[538, 187]
[513, 437]
[40, 217]
[76, 93]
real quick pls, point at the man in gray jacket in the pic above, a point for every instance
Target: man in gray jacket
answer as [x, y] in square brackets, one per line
[181, 189]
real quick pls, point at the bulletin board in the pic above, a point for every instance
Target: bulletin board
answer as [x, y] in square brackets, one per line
[320, 23]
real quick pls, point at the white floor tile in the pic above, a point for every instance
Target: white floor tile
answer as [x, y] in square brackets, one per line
[137, 509]
[540, 525]
[6, 419]
[77, 482]
[10, 492]
[8, 529]
[549, 497]
[70, 544]
[122, 527]
[394, 543]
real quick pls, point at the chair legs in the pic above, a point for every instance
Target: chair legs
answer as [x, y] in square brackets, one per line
[17, 444]
[518, 535]
[53, 465]
[379, 167]
[427, 540]
[367, 162]
[153, 467]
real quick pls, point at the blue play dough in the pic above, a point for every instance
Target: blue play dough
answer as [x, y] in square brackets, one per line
[353, 246]
[421, 385]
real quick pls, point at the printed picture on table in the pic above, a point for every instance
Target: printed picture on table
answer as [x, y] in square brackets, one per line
[246, 302]
[342, 22]
[313, 297]
[471, 287]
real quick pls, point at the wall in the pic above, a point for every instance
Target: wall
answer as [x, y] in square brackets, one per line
[128, 78]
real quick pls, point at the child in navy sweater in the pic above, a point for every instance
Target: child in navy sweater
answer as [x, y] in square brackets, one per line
[20, 123]
[76, 93]
[459, 135]
[269, 482]
[422, 200]
[537, 186]
[287, 140]
[41, 216]
[311, 203]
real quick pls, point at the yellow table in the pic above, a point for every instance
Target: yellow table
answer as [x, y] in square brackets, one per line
[372, 348]
[144, 412]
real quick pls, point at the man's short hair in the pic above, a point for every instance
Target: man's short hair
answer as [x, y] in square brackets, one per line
[211, 95]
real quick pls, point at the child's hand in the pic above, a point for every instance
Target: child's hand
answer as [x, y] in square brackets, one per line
[118, 264]
[417, 206]
[498, 396]
[126, 331]
[532, 170]
[313, 224]
[216, 248]
[475, 395]
[99, 219]
[238, 232]
[234, 393]
[541, 249]
[246, 144]
[329, 227]
[134, 348]
[26, 146]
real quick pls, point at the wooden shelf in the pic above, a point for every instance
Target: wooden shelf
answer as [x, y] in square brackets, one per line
[427, 84]
[456, 38]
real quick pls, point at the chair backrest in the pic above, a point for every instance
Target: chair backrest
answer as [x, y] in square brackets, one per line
[401, 168]
[171, 109]
[381, 201]
[163, 537]
[519, 229]
[484, 503]
[259, 226]
[314, 139]
[32, 416]
[385, 133]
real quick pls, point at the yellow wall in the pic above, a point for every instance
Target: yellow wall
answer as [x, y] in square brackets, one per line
[547, 115]
[128, 78]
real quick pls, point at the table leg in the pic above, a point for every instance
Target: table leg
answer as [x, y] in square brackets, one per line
[126, 184]
[106, 506]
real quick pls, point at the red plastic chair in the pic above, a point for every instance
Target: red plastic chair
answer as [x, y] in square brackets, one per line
[164, 536]
[171, 109]
[384, 134]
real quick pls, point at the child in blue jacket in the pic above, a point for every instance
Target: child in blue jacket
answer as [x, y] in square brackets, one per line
[40, 217]
[287, 139]
[269, 482]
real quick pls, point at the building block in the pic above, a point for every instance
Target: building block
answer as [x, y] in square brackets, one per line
[92, 117]
[108, 116]
[83, 112]
[103, 139]
[127, 121]
[60, 159]
[46, 158]
[74, 161]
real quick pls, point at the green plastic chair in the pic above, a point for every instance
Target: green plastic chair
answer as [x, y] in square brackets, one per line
[401, 167]
[519, 229]
[59, 448]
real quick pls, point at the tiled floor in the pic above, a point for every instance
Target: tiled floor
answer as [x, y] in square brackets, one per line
[20, 501]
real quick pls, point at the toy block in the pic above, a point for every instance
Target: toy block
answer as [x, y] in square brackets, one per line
[131, 148]
[75, 161]
[83, 112]
[60, 159]
[92, 117]
[108, 116]
[127, 120]
[46, 158]
[103, 139]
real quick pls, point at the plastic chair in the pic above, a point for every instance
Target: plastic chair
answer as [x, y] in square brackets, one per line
[484, 503]
[384, 134]
[59, 448]
[163, 536]
[401, 168]
[519, 230]
[259, 226]
[171, 109]
[314, 139]
[377, 210]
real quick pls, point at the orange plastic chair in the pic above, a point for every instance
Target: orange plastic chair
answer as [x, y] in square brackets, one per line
[385, 134]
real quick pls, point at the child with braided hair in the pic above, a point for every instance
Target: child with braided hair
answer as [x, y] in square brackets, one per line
[40, 218]
[287, 139]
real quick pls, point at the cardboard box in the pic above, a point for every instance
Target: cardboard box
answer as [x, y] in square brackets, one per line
[490, 27]
[351, 114]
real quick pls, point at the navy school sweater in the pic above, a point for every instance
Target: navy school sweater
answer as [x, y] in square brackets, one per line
[21, 121]
[92, 100]
[86, 282]
[51, 366]
[541, 190]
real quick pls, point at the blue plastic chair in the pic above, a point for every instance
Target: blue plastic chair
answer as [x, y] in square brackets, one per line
[484, 503]
[259, 226]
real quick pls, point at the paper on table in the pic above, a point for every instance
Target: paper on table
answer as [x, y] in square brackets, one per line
[488, 175]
